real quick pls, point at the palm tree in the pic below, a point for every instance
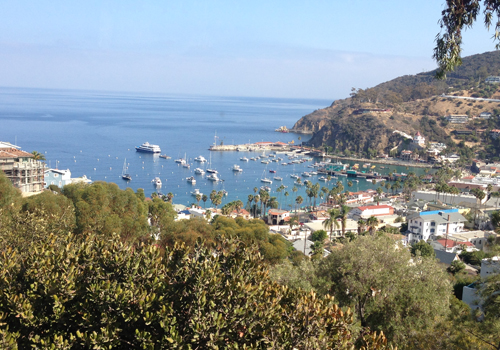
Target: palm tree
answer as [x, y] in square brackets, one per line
[170, 197]
[256, 199]
[298, 201]
[38, 156]
[204, 198]
[344, 210]
[372, 223]
[250, 200]
[361, 226]
[238, 205]
[198, 198]
[331, 220]
[286, 197]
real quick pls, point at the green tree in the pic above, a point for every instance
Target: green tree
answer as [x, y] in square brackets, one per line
[331, 220]
[319, 236]
[388, 293]
[96, 293]
[422, 248]
[455, 18]
[38, 156]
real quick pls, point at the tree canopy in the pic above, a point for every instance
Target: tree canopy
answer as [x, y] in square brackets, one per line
[457, 16]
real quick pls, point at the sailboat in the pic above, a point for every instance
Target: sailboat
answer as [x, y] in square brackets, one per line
[209, 169]
[125, 175]
[265, 179]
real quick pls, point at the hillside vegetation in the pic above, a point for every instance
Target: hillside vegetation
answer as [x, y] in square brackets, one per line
[364, 123]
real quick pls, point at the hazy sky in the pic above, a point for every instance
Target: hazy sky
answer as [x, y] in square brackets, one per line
[271, 48]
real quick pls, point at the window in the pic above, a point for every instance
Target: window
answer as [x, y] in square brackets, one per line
[432, 230]
[433, 223]
[420, 223]
[56, 175]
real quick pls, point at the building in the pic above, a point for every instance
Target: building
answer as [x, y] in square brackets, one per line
[457, 119]
[365, 212]
[21, 169]
[471, 293]
[492, 79]
[430, 224]
[494, 133]
[277, 216]
[419, 140]
[451, 246]
[485, 115]
[461, 199]
[61, 178]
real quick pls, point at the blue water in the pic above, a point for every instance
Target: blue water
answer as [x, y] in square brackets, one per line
[91, 133]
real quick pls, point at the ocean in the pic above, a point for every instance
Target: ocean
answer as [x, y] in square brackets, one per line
[94, 133]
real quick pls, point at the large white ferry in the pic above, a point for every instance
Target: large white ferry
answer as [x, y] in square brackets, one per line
[146, 147]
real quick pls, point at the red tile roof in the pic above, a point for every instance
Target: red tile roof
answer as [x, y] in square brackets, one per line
[451, 243]
[13, 153]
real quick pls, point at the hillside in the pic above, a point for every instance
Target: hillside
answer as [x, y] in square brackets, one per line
[364, 123]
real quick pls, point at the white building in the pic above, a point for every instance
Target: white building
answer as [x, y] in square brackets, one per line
[61, 178]
[419, 140]
[365, 212]
[461, 199]
[493, 79]
[429, 224]
[470, 294]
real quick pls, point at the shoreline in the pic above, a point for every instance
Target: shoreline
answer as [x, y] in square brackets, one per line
[384, 161]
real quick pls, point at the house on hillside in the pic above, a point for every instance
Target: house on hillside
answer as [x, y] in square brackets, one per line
[492, 79]
[365, 212]
[429, 224]
[419, 139]
[61, 178]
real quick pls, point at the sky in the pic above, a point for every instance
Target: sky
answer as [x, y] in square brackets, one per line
[272, 48]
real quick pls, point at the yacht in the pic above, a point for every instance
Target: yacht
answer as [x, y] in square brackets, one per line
[196, 192]
[266, 188]
[237, 168]
[266, 180]
[295, 176]
[199, 171]
[244, 159]
[272, 171]
[125, 174]
[265, 162]
[164, 156]
[191, 180]
[313, 173]
[322, 178]
[253, 158]
[157, 181]
[306, 174]
[186, 165]
[277, 178]
[200, 159]
[213, 177]
[148, 148]
[181, 161]
[212, 171]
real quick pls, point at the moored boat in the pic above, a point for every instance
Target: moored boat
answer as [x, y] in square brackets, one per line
[146, 147]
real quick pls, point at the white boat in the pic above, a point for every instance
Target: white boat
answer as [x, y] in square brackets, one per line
[157, 181]
[125, 175]
[196, 192]
[266, 180]
[313, 173]
[295, 176]
[284, 163]
[296, 183]
[186, 165]
[306, 174]
[199, 171]
[191, 180]
[266, 188]
[213, 177]
[237, 168]
[253, 158]
[200, 159]
[277, 178]
[210, 170]
[265, 162]
[148, 148]
[244, 159]
[322, 178]
[181, 161]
